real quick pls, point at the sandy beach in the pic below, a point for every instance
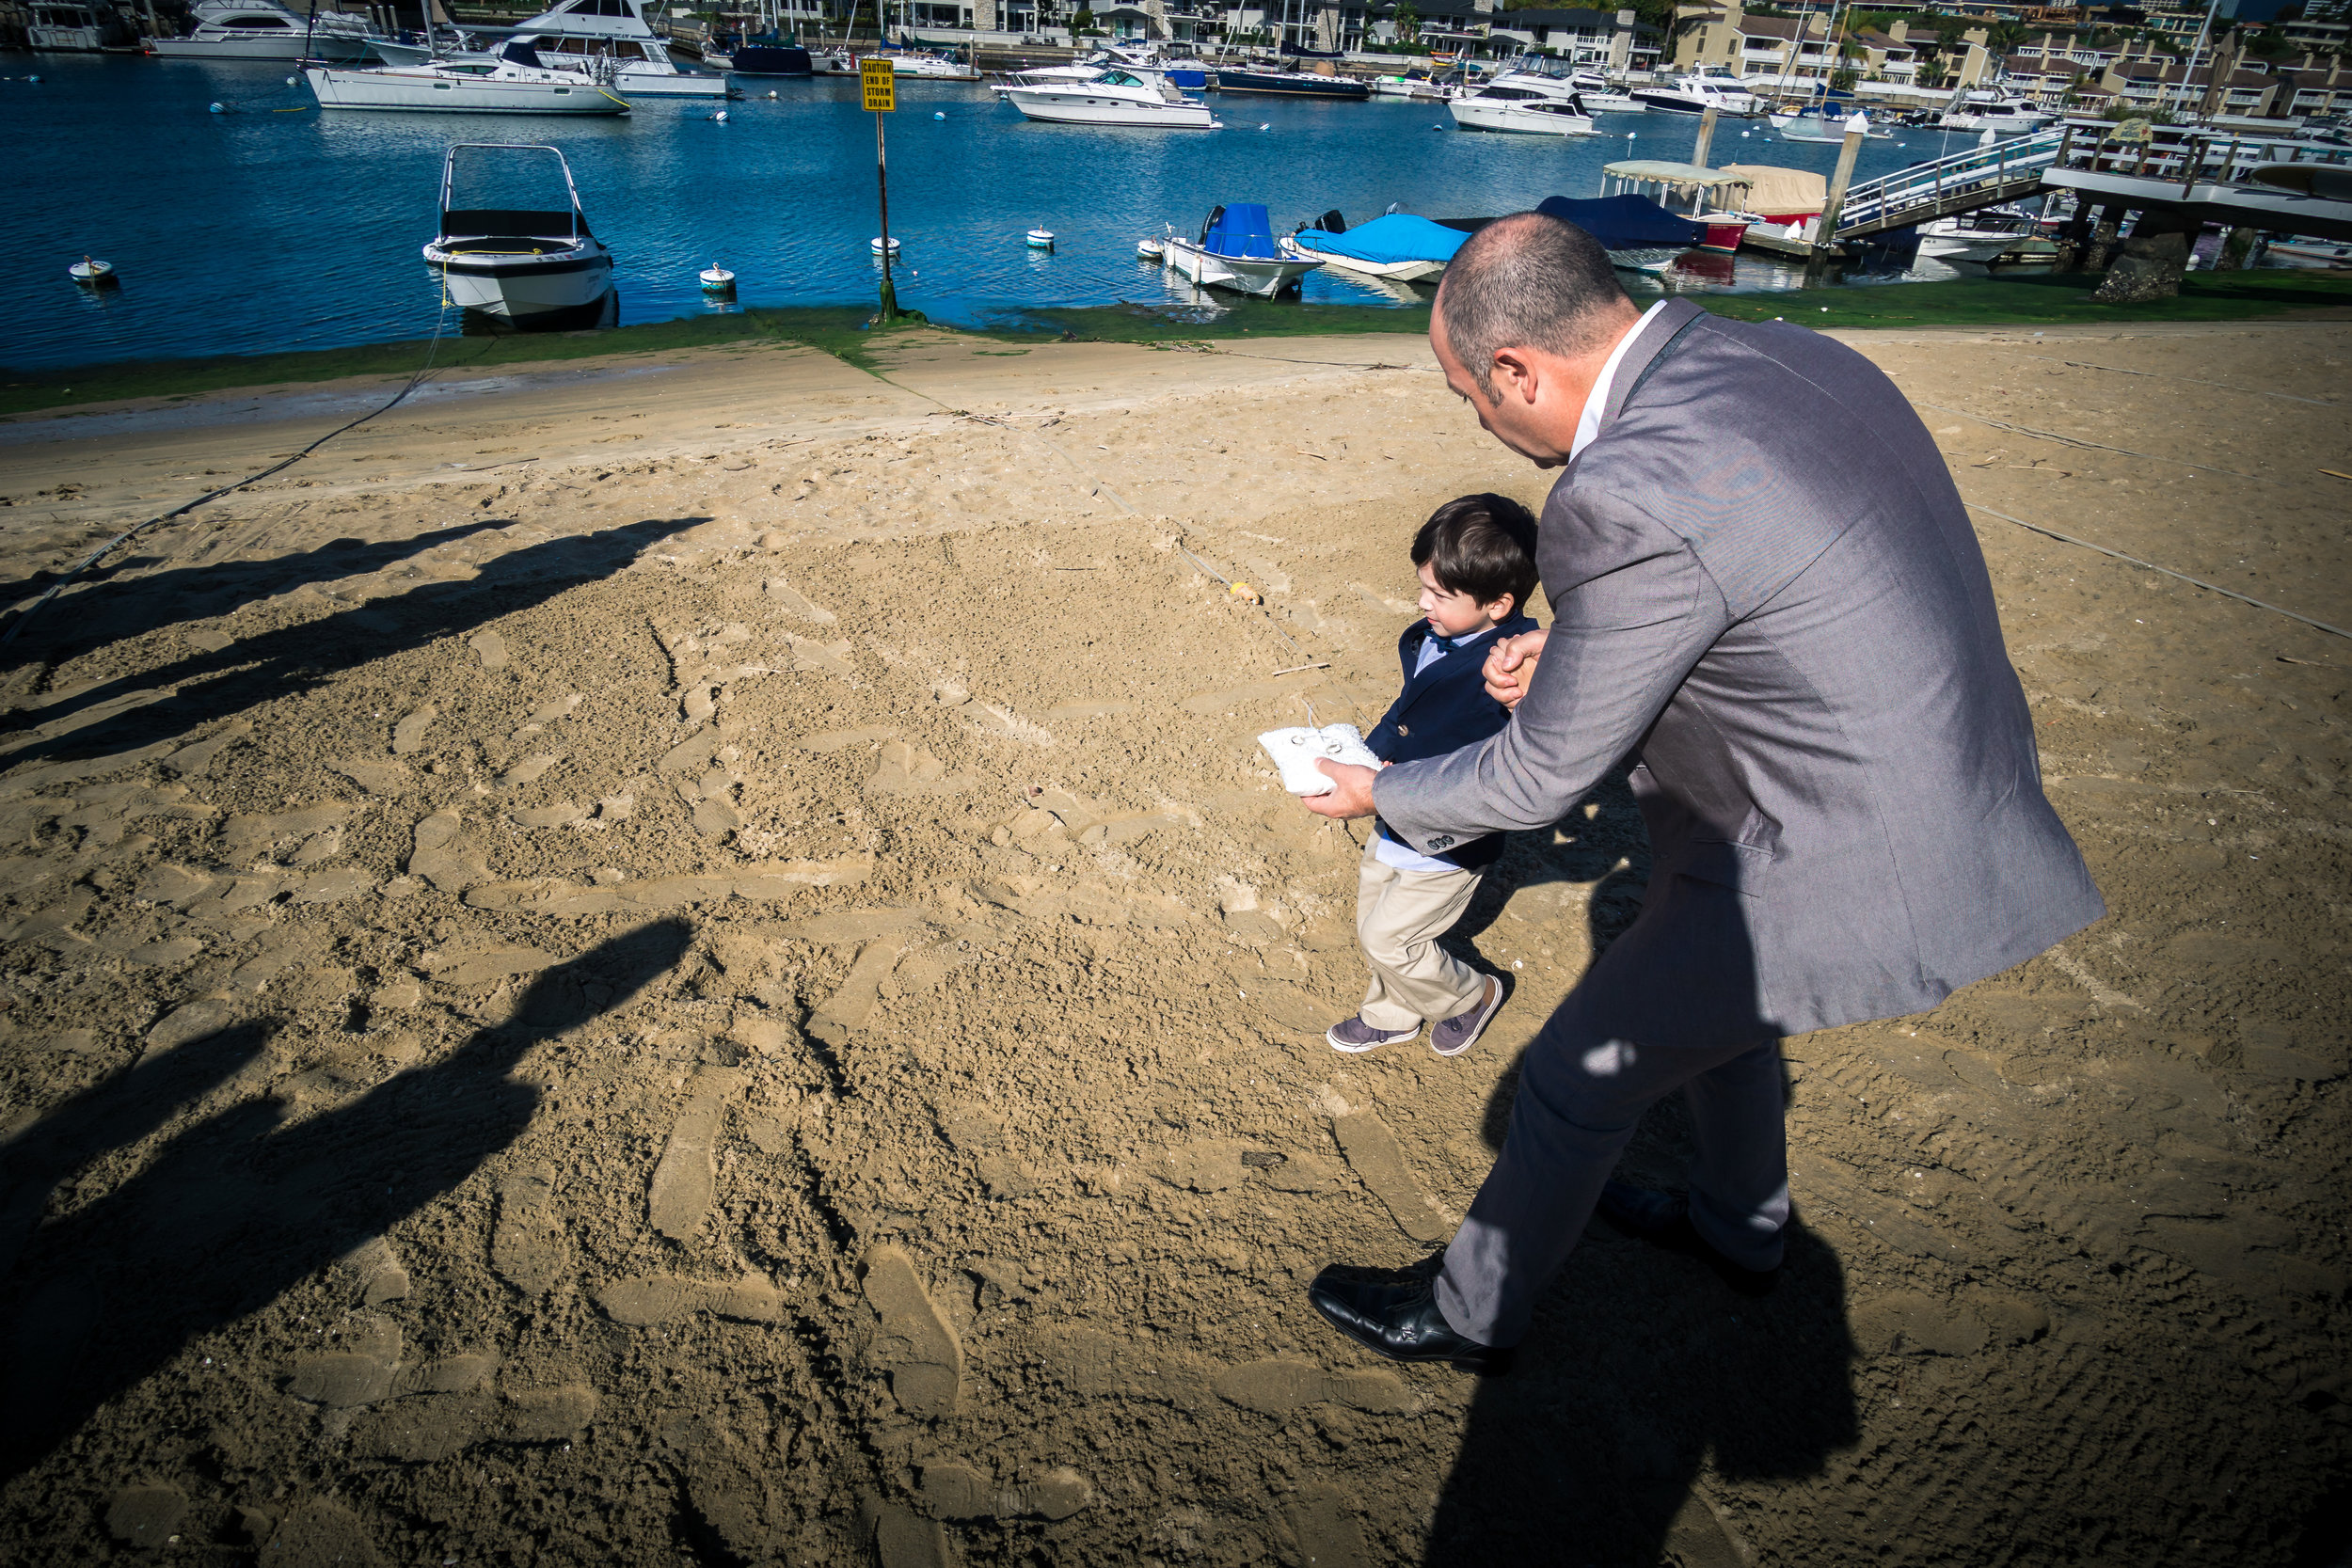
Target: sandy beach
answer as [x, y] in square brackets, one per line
[689, 959]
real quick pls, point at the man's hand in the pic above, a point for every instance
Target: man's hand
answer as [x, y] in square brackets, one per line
[1511, 666]
[1351, 791]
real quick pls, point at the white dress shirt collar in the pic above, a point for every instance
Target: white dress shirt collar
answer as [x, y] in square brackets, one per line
[1588, 423]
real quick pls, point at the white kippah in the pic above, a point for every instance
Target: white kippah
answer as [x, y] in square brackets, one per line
[1296, 751]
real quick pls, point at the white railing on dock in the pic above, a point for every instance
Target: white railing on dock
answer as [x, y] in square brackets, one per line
[1932, 186]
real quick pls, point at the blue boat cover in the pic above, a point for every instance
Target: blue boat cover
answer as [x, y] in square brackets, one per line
[1398, 237]
[1624, 222]
[519, 52]
[1241, 231]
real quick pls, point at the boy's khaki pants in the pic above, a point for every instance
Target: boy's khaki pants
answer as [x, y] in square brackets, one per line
[1399, 917]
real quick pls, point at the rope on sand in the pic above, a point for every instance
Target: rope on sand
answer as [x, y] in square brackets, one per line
[2201, 583]
[120, 539]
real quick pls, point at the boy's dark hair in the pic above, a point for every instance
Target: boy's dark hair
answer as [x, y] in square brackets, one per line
[1482, 545]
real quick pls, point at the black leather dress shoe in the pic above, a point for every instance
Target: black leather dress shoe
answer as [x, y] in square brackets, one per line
[1663, 1220]
[1398, 1318]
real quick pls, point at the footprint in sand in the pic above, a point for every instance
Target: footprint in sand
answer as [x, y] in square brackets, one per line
[345, 1379]
[962, 1492]
[906, 771]
[444, 855]
[321, 1534]
[915, 1345]
[489, 647]
[378, 1268]
[788, 598]
[147, 1516]
[408, 734]
[528, 770]
[528, 1246]
[646, 1301]
[1378, 1160]
[1279, 1384]
[679, 1198]
[376, 777]
[1323, 1523]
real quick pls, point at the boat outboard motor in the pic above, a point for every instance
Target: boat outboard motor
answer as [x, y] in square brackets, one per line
[519, 52]
[1217, 215]
[1331, 223]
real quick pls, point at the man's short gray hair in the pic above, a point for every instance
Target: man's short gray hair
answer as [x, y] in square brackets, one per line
[1526, 281]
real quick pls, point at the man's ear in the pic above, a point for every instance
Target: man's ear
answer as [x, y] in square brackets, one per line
[1515, 376]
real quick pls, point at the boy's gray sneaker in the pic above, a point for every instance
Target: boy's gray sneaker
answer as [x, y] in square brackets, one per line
[1460, 1031]
[1354, 1034]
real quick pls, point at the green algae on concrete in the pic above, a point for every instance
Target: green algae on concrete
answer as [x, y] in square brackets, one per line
[850, 332]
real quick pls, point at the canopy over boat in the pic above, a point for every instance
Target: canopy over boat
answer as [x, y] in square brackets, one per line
[1625, 222]
[1397, 237]
[1241, 229]
[1775, 190]
[1679, 176]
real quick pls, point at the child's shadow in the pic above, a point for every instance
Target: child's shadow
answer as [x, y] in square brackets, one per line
[1601, 841]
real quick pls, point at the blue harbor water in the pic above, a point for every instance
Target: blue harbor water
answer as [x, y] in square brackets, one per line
[275, 226]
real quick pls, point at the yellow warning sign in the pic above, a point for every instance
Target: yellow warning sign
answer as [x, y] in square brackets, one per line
[879, 81]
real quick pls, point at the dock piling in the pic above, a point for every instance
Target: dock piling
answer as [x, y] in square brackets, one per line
[1825, 227]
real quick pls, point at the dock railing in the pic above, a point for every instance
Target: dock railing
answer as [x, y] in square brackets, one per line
[1980, 177]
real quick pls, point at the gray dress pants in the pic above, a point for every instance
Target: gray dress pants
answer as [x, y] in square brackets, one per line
[1580, 1097]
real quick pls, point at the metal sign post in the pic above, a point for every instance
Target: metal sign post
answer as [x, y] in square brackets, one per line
[878, 83]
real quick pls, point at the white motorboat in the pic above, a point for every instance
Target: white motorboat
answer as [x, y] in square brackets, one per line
[515, 82]
[78, 29]
[1117, 97]
[1699, 93]
[1399, 246]
[264, 30]
[1499, 107]
[2007, 113]
[922, 64]
[1599, 97]
[1810, 127]
[2310, 254]
[1957, 239]
[1236, 251]
[1412, 87]
[1077, 70]
[586, 35]
[539, 268]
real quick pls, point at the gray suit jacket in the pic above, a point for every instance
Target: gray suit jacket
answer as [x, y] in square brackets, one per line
[1765, 588]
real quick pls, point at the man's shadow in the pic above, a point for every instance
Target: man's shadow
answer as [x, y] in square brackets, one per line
[295, 658]
[240, 1206]
[1641, 1368]
[131, 603]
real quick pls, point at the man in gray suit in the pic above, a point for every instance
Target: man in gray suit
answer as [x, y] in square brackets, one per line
[1766, 598]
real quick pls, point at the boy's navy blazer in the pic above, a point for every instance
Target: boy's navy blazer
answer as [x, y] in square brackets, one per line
[1443, 709]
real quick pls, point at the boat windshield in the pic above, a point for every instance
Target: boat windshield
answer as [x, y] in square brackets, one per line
[1117, 79]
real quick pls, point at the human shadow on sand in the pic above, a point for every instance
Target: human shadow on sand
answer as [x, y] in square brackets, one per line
[1642, 1372]
[294, 659]
[240, 1205]
[114, 601]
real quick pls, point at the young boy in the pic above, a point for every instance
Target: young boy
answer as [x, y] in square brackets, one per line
[1477, 562]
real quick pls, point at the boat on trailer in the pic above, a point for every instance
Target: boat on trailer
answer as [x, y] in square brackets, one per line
[533, 267]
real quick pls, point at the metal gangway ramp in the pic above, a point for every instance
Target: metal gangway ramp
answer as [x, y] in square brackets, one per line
[1981, 177]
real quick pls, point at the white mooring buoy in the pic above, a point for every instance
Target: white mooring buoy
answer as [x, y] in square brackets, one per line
[716, 280]
[1040, 239]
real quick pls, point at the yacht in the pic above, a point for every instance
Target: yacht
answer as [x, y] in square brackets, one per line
[578, 32]
[79, 30]
[1995, 110]
[924, 64]
[1292, 83]
[1412, 83]
[534, 268]
[1697, 93]
[1236, 251]
[514, 82]
[1498, 107]
[1600, 97]
[264, 30]
[1117, 97]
